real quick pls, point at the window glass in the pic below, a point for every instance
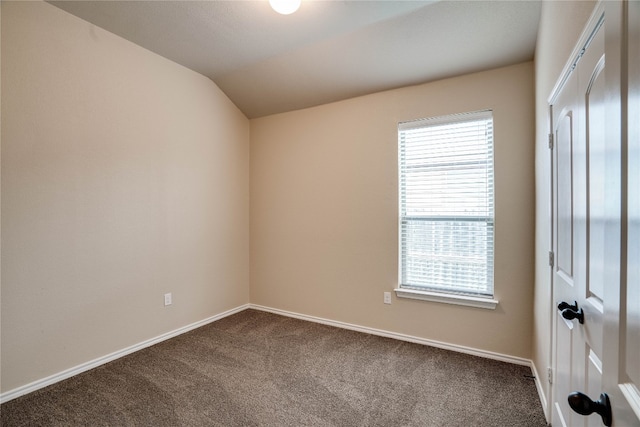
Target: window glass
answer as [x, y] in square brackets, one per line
[447, 204]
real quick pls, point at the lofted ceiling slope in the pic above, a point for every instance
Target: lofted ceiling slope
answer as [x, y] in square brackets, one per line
[268, 63]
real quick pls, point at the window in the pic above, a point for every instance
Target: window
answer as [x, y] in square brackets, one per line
[446, 208]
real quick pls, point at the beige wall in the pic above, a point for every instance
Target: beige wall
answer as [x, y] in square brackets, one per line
[561, 24]
[324, 235]
[124, 176]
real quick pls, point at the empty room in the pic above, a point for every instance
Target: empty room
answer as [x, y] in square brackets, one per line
[320, 213]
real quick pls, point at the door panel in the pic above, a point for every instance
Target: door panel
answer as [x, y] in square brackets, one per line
[564, 189]
[595, 116]
[629, 381]
[632, 365]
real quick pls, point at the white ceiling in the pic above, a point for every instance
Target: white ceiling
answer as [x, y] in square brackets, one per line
[327, 51]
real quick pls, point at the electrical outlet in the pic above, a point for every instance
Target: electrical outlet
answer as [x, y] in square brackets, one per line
[387, 297]
[167, 299]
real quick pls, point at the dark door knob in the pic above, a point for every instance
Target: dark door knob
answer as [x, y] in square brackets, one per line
[581, 404]
[570, 314]
[564, 305]
[571, 311]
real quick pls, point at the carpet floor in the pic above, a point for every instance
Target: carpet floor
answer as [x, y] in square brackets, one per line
[260, 369]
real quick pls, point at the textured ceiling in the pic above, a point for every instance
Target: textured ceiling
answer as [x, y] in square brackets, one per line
[327, 51]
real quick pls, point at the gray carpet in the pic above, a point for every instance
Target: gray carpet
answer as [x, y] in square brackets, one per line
[260, 369]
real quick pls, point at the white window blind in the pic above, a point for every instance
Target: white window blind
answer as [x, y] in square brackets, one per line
[446, 204]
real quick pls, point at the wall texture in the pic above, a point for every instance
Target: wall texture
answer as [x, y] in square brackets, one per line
[124, 176]
[324, 206]
[561, 24]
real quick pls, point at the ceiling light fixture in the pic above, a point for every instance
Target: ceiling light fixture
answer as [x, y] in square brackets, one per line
[285, 7]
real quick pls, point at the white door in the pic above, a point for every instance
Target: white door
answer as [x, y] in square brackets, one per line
[622, 308]
[596, 344]
[579, 188]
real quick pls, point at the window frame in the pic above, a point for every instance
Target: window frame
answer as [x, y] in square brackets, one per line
[436, 293]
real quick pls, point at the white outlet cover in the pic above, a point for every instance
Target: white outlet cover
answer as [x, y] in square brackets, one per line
[167, 299]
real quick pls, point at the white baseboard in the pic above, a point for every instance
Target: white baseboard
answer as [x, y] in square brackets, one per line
[68, 373]
[402, 337]
[543, 399]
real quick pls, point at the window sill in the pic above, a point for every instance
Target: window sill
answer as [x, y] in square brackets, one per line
[467, 300]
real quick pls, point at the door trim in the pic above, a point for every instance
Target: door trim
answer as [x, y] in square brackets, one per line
[596, 20]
